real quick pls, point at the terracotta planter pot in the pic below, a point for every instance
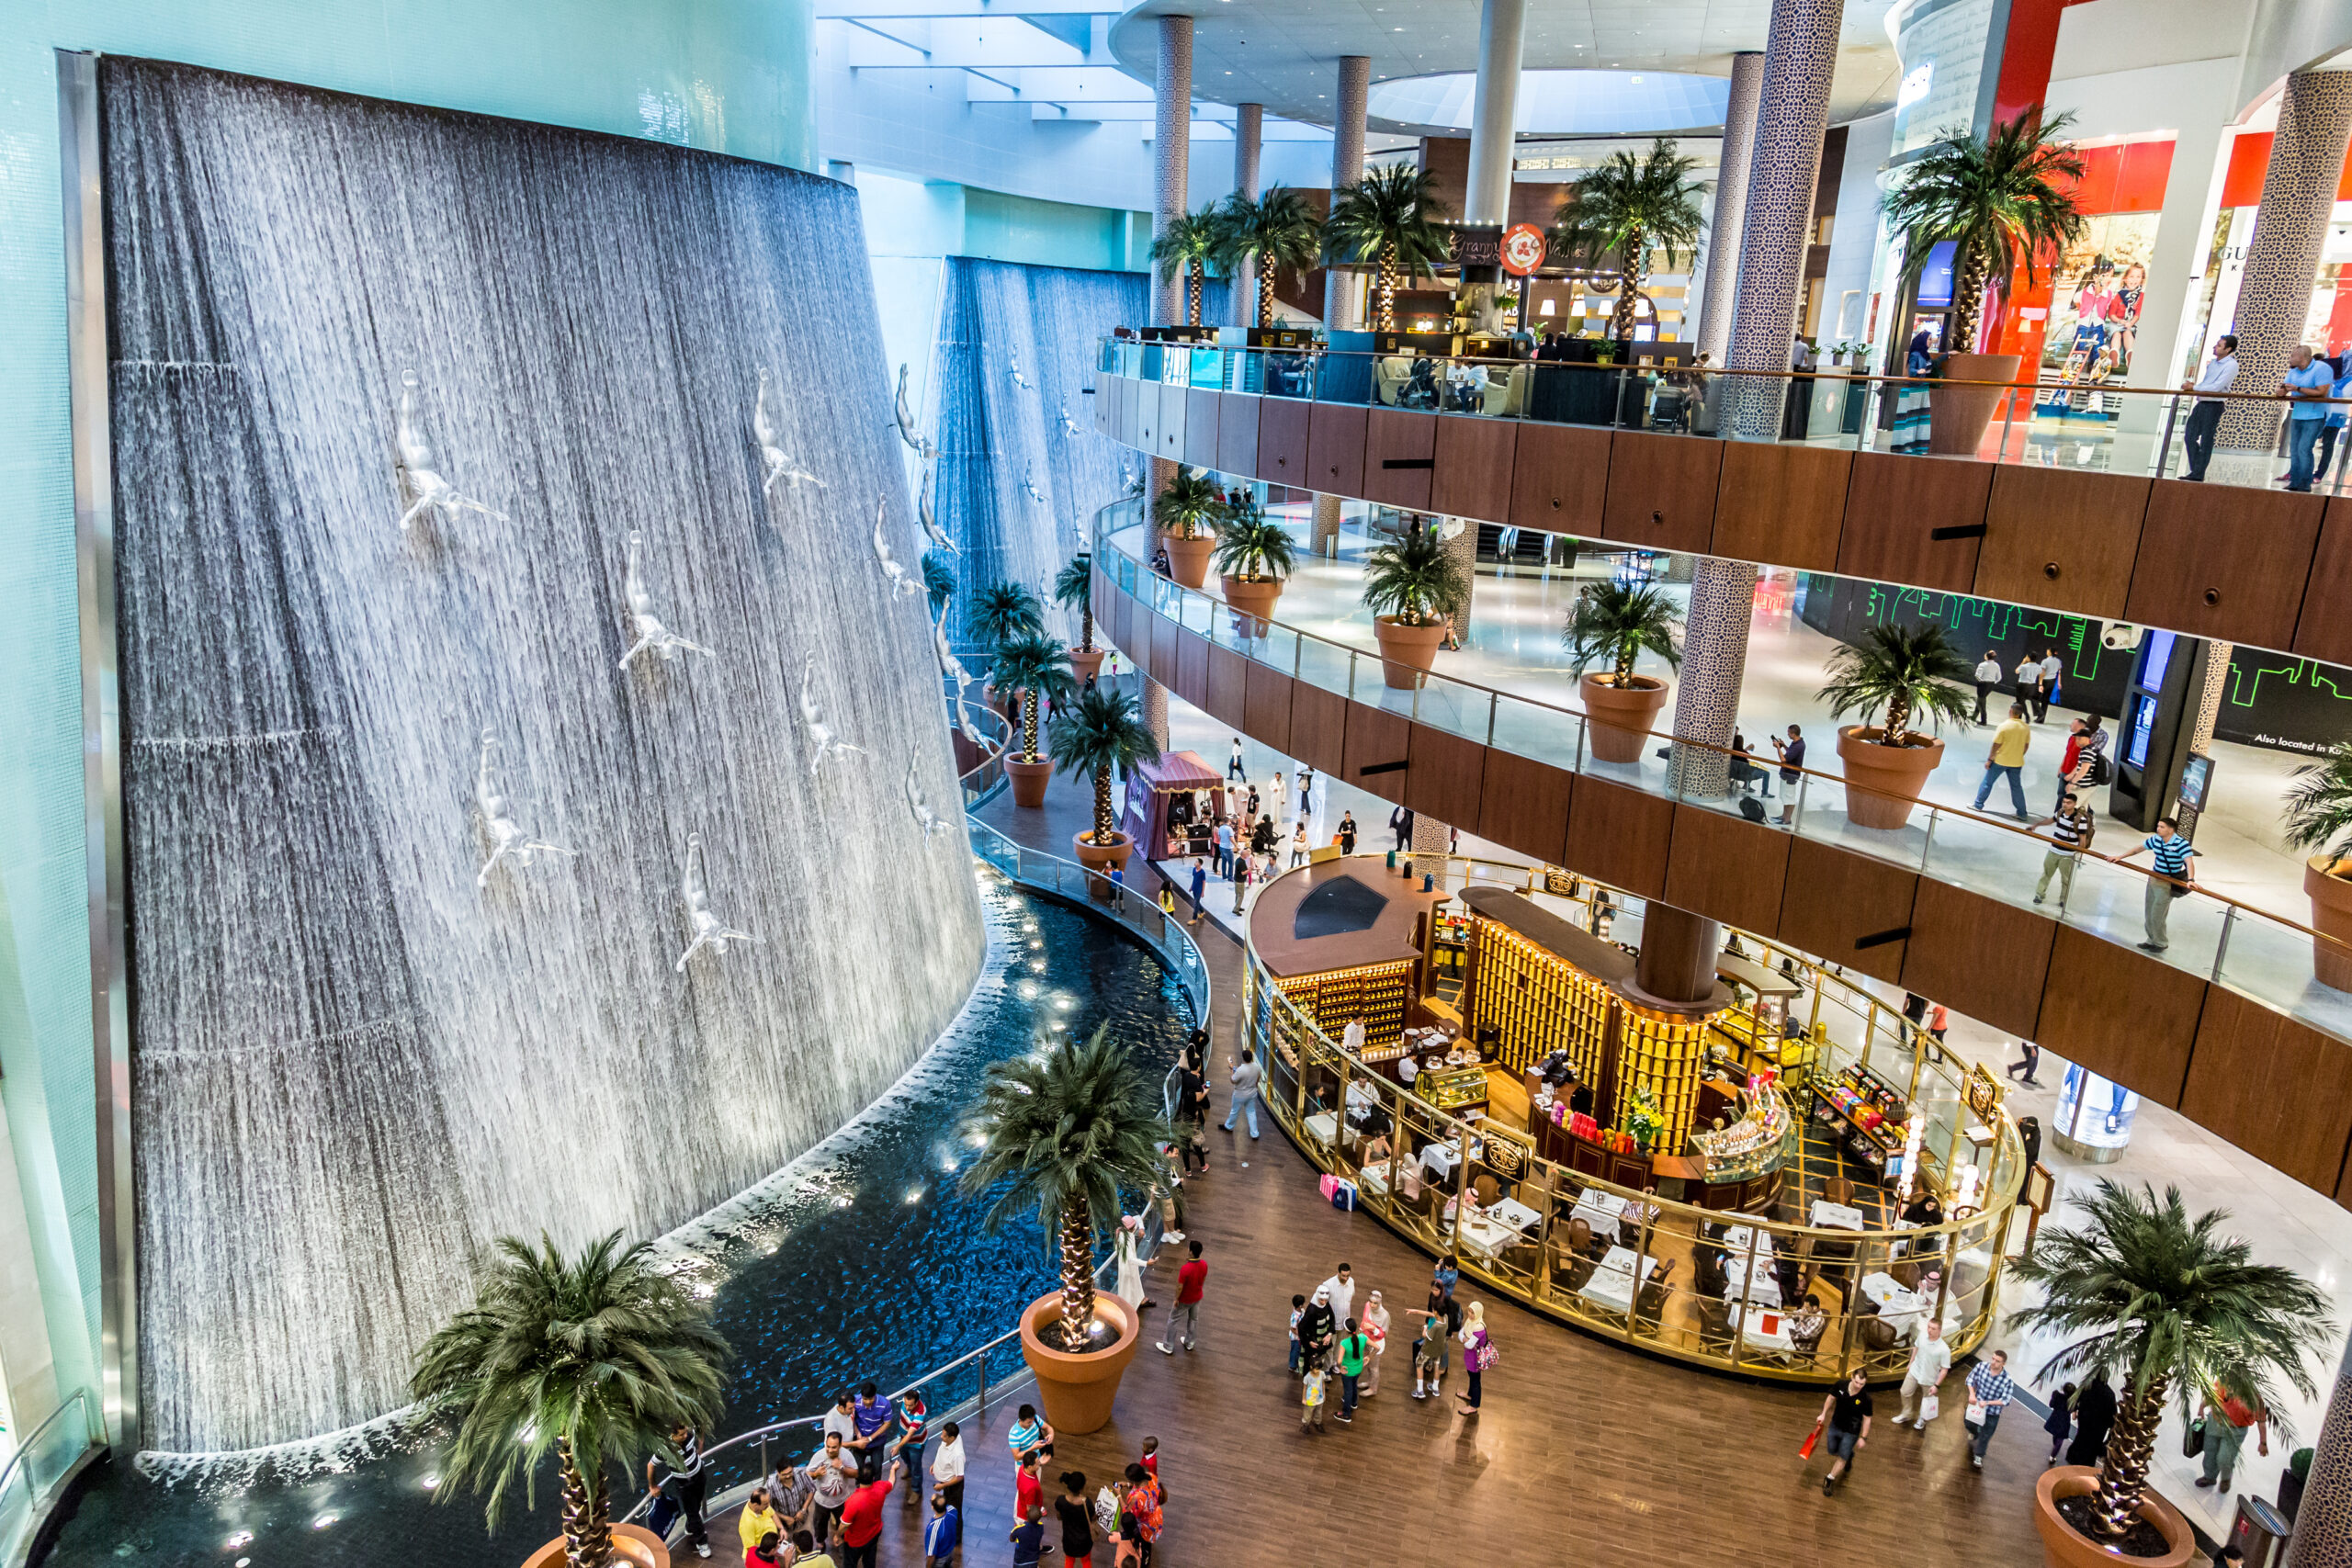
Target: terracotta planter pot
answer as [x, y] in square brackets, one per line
[2063, 1546]
[1252, 601]
[1100, 859]
[1882, 782]
[1623, 716]
[1029, 780]
[1188, 559]
[2331, 897]
[1407, 653]
[1958, 415]
[1084, 665]
[632, 1544]
[1076, 1390]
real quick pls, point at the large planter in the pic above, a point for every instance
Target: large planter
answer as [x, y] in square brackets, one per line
[1076, 1390]
[1621, 717]
[1883, 782]
[2331, 897]
[1102, 859]
[1407, 653]
[1188, 559]
[1029, 780]
[1252, 602]
[2063, 1546]
[1086, 663]
[1958, 415]
[632, 1544]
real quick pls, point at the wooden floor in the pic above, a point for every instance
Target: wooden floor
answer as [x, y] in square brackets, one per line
[1585, 1451]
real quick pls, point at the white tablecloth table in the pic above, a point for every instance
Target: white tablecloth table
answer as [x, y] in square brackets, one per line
[1753, 1335]
[1764, 1289]
[1323, 1127]
[1836, 1217]
[1601, 1210]
[1612, 1284]
[1882, 1288]
[1484, 1238]
[1514, 1214]
[1736, 1239]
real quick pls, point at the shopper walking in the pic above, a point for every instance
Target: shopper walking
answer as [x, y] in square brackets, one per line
[947, 1465]
[2007, 760]
[1930, 1359]
[1246, 1077]
[2226, 1419]
[684, 1481]
[2307, 381]
[1845, 1422]
[2053, 671]
[1200, 885]
[1432, 1349]
[1478, 1356]
[2168, 855]
[1223, 837]
[1126, 1255]
[2060, 1421]
[2205, 415]
[2094, 1418]
[1305, 790]
[1298, 844]
[2031, 1062]
[1192, 1278]
[2028, 685]
[1282, 798]
[2071, 830]
[1989, 1388]
[1347, 832]
[1400, 822]
[1375, 1328]
[1233, 769]
[1988, 680]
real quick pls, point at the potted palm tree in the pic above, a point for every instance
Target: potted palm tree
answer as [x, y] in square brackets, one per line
[2319, 808]
[1253, 560]
[1062, 1131]
[1188, 250]
[593, 1361]
[1909, 673]
[1614, 623]
[938, 581]
[1192, 510]
[1035, 667]
[1393, 218]
[1619, 212]
[1411, 585]
[1074, 590]
[2003, 200]
[1098, 736]
[2161, 1304]
[1276, 231]
[1004, 612]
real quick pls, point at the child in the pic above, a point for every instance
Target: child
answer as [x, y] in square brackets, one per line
[1428, 1356]
[1311, 1396]
[2062, 1414]
[942, 1536]
[1298, 1307]
[1029, 1539]
[1151, 1457]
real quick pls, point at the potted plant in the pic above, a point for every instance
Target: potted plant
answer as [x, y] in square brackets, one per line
[1098, 736]
[1612, 217]
[1188, 249]
[1192, 510]
[1614, 623]
[1391, 218]
[1062, 1131]
[595, 1362]
[938, 581]
[1276, 231]
[1253, 560]
[2157, 1301]
[2004, 201]
[1004, 612]
[2319, 807]
[1909, 672]
[1074, 590]
[1411, 585]
[1035, 668]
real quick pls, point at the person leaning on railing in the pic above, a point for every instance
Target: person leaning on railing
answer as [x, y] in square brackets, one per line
[2221, 373]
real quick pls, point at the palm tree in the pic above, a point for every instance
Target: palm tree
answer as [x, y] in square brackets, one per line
[1252, 546]
[1100, 737]
[1618, 213]
[596, 1361]
[2162, 1301]
[1413, 579]
[1005, 611]
[1278, 230]
[1392, 217]
[1189, 248]
[2320, 806]
[1904, 670]
[1616, 622]
[1074, 590]
[938, 580]
[1192, 505]
[1037, 668]
[1065, 1128]
[2006, 201]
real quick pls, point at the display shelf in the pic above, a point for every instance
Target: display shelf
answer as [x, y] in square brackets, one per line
[1537, 1003]
[1377, 993]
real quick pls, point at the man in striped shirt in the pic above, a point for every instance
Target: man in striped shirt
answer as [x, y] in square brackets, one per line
[2070, 835]
[2169, 855]
[685, 1482]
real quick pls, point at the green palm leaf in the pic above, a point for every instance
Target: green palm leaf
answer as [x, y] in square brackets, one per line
[1277, 230]
[1621, 210]
[1391, 218]
[2319, 806]
[1005, 611]
[1907, 672]
[1188, 248]
[1074, 590]
[1614, 623]
[1413, 579]
[1252, 545]
[1100, 737]
[1192, 505]
[2007, 201]
[1038, 667]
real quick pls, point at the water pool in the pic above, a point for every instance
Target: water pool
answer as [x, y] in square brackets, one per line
[860, 1261]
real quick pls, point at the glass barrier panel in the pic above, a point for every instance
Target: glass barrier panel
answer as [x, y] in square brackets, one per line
[1326, 666]
[1827, 809]
[1535, 730]
[1454, 707]
[2278, 965]
[2123, 905]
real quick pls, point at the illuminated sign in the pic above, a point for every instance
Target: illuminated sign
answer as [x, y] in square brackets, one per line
[1916, 83]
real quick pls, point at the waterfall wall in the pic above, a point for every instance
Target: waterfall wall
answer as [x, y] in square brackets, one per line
[356, 1059]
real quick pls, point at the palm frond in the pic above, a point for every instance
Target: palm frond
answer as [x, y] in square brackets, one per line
[1190, 239]
[1621, 210]
[1099, 736]
[1005, 611]
[1192, 504]
[1905, 670]
[938, 580]
[1252, 545]
[1278, 227]
[1068, 1125]
[1614, 622]
[1074, 584]
[2319, 805]
[2005, 200]
[1392, 212]
[1037, 665]
[1413, 579]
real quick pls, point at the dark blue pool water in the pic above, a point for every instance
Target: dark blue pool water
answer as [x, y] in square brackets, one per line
[859, 1261]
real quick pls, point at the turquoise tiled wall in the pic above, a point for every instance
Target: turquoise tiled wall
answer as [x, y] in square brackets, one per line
[732, 75]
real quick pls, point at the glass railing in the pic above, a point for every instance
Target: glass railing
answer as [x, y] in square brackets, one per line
[1722, 1289]
[2230, 942]
[986, 779]
[2075, 423]
[29, 1484]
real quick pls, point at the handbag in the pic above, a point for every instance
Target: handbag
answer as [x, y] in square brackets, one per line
[1483, 1359]
[1930, 1408]
[2193, 1438]
[1805, 1450]
[2178, 890]
[1974, 1414]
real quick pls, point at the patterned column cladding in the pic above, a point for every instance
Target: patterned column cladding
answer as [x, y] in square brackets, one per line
[1429, 840]
[1249, 128]
[2282, 259]
[1171, 147]
[2208, 700]
[1715, 663]
[1463, 551]
[1347, 168]
[1792, 113]
[2323, 1537]
[1731, 205]
[1323, 534]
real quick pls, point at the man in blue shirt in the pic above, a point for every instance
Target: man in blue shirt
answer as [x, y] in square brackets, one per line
[2308, 381]
[2168, 853]
[1989, 1388]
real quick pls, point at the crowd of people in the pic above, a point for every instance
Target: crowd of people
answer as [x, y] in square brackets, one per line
[1336, 1350]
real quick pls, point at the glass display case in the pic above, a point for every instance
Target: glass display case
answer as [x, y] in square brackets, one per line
[2094, 1120]
[1452, 1089]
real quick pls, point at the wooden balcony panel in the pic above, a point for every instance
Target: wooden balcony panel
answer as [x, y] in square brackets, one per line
[2061, 538]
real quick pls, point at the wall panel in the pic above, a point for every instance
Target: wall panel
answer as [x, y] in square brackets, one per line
[1727, 868]
[2062, 538]
[1619, 836]
[1229, 688]
[1199, 426]
[1896, 506]
[1266, 703]
[1523, 805]
[1834, 898]
[1377, 738]
[1662, 491]
[1560, 478]
[1785, 505]
[1985, 958]
[2122, 1014]
[1335, 448]
[1446, 777]
[1318, 728]
[1282, 440]
[2324, 628]
[1236, 434]
[2277, 1089]
[2222, 561]
[1474, 461]
[1399, 451]
[1191, 681]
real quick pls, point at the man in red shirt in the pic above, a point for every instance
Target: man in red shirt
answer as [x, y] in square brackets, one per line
[1189, 1281]
[1028, 1491]
[861, 1519]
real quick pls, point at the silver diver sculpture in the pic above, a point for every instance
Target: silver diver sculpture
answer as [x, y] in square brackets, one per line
[651, 634]
[779, 464]
[1018, 378]
[1069, 426]
[902, 582]
[906, 417]
[931, 821]
[505, 838]
[928, 516]
[709, 930]
[1029, 483]
[953, 669]
[433, 492]
[822, 742]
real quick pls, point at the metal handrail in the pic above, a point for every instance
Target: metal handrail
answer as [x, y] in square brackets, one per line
[79, 1398]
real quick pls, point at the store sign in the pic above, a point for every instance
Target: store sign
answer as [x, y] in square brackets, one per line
[1522, 250]
[1476, 246]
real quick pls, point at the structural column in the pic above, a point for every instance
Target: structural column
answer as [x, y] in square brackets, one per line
[1715, 298]
[1347, 168]
[1171, 148]
[1502, 30]
[1249, 127]
[1463, 551]
[2323, 1537]
[2282, 258]
[1430, 838]
[1715, 663]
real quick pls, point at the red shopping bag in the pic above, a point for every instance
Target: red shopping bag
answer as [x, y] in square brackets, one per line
[1810, 1439]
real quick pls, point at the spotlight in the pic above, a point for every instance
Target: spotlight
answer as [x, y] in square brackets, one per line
[242, 1538]
[915, 1196]
[429, 1482]
[322, 1522]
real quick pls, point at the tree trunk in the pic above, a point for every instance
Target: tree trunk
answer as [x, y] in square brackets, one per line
[1629, 274]
[1623, 674]
[1194, 277]
[1028, 727]
[1078, 1270]
[1105, 828]
[2129, 1446]
[1388, 285]
[1966, 299]
[1086, 625]
[1898, 716]
[1266, 270]
[587, 1515]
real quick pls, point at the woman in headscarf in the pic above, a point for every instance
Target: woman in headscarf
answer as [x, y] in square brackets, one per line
[1374, 1321]
[2094, 1418]
[1911, 399]
[1126, 1248]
